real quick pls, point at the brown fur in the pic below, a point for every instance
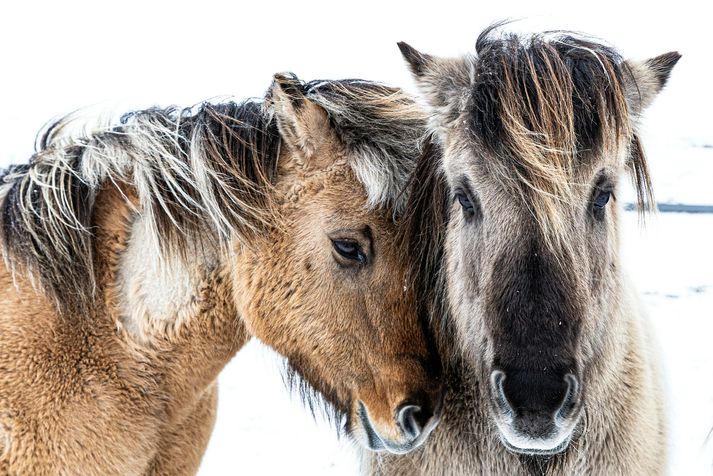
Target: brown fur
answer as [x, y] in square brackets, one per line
[531, 130]
[130, 387]
[85, 397]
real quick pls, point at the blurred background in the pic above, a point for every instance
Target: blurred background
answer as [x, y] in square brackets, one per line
[112, 57]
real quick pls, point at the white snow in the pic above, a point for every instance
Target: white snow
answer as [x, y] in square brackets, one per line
[62, 55]
[670, 261]
[261, 429]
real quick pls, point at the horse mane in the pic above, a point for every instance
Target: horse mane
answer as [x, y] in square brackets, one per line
[423, 233]
[543, 102]
[382, 128]
[200, 174]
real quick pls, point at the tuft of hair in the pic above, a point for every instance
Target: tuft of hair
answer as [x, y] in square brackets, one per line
[541, 103]
[381, 127]
[423, 233]
[200, 176]
[319, 404]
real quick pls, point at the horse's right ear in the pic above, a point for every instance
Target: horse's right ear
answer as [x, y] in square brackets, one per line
[416, 60]
[645, 79]
[303, 124]
[444, 82]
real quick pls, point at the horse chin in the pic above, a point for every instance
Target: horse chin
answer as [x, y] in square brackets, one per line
[369, 439]
[522, 444]
[535, 447]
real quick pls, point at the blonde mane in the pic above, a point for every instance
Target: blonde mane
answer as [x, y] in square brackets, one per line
[542, 105]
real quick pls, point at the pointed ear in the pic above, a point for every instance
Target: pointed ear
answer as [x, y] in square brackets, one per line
[444, 82]
[303, 124]
[647, 78]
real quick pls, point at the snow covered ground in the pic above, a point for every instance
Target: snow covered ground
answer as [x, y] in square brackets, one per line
[671, 262]
[61, 55]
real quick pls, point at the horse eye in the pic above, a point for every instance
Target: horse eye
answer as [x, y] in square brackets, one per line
[465, 203]
[601, 200]
[350, 250]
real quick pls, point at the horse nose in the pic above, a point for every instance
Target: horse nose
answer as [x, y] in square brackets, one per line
[537, 409]
[569, 403]
[536, 392]
[409, 425]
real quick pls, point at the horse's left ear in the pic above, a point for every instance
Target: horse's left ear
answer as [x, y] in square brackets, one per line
[645, 79]
[444, 82]
[303, 124]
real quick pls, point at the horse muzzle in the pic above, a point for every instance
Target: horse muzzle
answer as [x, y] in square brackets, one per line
[411, 422]
[536, 413]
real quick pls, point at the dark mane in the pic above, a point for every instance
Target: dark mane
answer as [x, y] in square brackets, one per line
[540, 104]
[565, 89]
[382, 128]
[192, 169]
[423, 234]
[201, 174]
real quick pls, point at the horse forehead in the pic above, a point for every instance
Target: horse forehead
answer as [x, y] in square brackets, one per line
[461, 155]
[340, 204]
[464, 159]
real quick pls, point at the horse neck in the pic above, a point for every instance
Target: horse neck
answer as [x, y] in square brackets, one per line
[176, 311]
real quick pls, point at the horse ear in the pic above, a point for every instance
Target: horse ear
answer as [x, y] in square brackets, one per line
[303, 124]
[418, 62]
[444, 82]
[647, 78]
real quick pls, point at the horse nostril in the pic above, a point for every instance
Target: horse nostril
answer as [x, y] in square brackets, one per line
[496, 382]
[571, 397]
[413, 419]
[527, 392]
[534, 391]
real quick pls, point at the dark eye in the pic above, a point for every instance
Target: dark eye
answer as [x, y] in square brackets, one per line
[350, 250]
[601, 199]
[465, 203]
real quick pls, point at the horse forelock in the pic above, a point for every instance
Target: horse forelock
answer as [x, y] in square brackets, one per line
[540, 107]
[382, 129]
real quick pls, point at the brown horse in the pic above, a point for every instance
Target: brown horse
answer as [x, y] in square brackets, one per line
[141, 257]
[551, 366]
